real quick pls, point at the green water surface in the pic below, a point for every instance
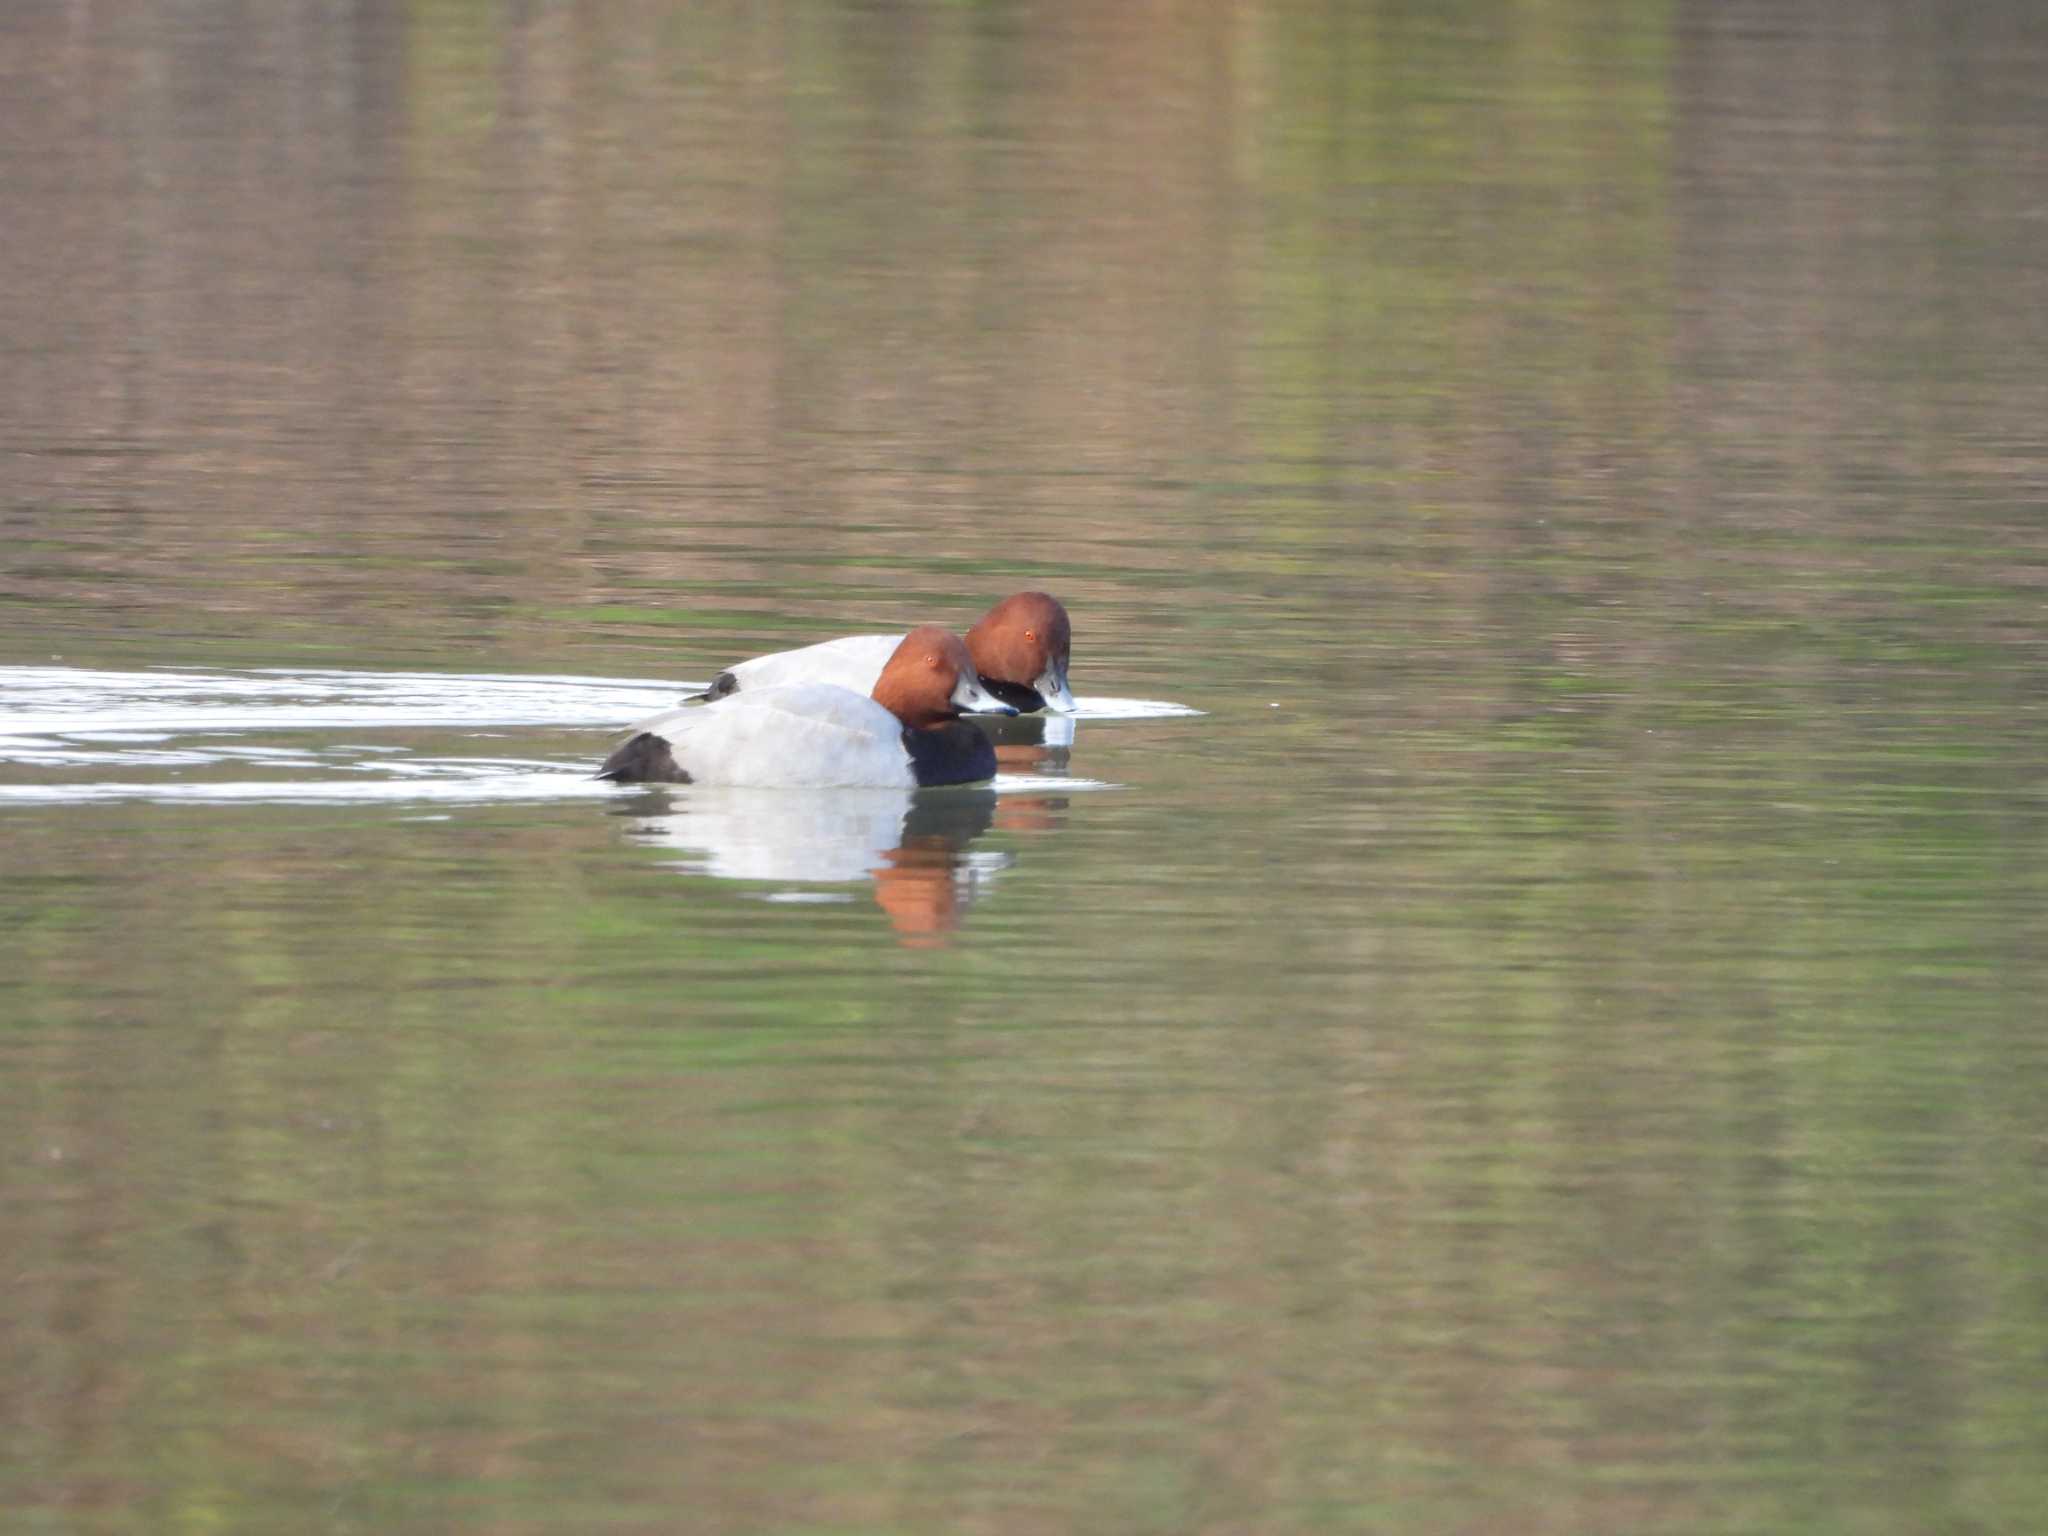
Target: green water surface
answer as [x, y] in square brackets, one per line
[1558, 1047]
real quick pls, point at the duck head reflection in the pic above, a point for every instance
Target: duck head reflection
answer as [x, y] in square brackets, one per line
[910, 847]
[1030, 744]
[925, 882]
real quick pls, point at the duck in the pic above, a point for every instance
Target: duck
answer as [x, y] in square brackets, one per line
[906, 733]
[1020, 649]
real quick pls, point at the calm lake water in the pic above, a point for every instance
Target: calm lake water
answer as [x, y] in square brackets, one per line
[1556, 1045]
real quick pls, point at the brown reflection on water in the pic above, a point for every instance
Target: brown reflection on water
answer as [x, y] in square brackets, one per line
[802, 846]
[925, 885]
[919, 889]
[1031, 813]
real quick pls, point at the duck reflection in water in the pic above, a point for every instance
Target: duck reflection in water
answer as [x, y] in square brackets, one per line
[910, 846]
[928, 880]
[1035, 745]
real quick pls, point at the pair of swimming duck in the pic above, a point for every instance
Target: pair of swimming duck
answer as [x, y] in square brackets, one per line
[866, 711]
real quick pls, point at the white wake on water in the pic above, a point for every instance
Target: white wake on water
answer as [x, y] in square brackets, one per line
[178, 734]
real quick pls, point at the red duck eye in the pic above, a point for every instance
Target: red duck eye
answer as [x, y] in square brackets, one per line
[1029, 636]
